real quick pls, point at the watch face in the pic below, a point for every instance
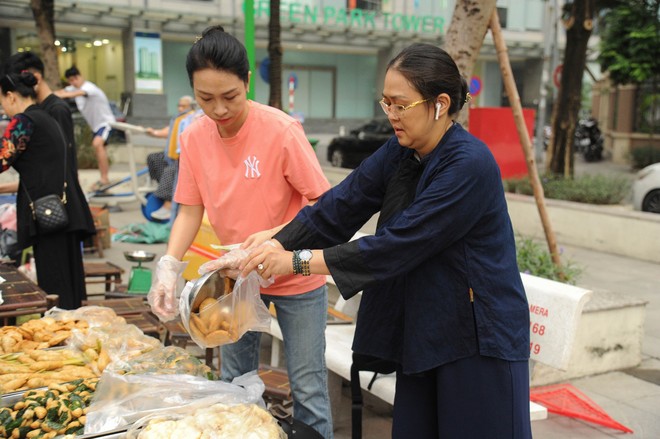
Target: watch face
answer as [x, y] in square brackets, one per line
[305, 255]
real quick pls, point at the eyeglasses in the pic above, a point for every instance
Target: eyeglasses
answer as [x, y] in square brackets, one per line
[398, 110]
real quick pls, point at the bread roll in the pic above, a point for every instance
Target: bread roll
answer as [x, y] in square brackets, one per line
[217, 338]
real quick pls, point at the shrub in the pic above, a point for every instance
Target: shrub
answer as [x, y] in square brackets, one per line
[590, 189]
[85, 150]
[535, 259]
[643, 156]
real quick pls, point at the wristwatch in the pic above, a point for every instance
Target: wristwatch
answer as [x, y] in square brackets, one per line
[301, 260]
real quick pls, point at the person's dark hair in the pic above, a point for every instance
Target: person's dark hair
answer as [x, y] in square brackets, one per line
[218, 50]
[432, 71]
[72, 71]
[24, 61]
[22, 83]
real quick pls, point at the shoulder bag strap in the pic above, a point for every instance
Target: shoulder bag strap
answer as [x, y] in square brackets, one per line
[31, 203]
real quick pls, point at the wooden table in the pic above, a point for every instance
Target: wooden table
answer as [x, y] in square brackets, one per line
[121, 307]
[110, 273]
[146, 322]
[21, 296]
[134, 310]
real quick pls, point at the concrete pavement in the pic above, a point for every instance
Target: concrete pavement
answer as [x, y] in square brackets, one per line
[631, 397]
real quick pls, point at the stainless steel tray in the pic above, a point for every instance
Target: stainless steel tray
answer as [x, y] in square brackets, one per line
[117, 433]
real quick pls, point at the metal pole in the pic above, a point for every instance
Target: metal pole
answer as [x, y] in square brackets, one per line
[249, 43]
[545, 80]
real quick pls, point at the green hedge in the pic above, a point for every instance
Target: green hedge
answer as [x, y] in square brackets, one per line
[643, 156]
[590, 189]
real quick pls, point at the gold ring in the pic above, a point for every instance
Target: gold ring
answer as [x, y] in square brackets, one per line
[260, 267]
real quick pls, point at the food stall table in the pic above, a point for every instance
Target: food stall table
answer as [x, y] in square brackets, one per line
[134, 310]
[110, 273]
[20, 295]
[121, 306]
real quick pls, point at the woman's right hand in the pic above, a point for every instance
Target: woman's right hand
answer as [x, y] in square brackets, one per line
[162, 295]
[258, 238]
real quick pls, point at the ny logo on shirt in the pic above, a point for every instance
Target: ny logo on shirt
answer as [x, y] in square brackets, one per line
[252, 167]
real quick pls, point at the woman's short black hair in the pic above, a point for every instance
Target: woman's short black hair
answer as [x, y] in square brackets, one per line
[432, 71]
[22, 83]
[218, 50]
[72, 71]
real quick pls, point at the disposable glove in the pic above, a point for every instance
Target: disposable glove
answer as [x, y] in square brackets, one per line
[227, 263]
[162, 295]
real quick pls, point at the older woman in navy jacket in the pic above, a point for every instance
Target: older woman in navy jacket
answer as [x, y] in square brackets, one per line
[442, 295]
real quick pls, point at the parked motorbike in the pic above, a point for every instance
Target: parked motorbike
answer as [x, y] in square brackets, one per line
[589, 140]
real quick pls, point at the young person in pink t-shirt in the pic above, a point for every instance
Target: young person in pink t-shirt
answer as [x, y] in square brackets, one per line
[251, 168]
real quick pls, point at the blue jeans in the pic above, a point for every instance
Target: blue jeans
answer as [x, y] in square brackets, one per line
[302, 319]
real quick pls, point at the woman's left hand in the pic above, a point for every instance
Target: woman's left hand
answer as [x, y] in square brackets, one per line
[268, 261]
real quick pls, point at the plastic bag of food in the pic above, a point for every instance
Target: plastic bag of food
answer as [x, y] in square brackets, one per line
[214, 314]
[163, 360]
[219, 421]
[119, 342]
[123, 399]
[93, 315]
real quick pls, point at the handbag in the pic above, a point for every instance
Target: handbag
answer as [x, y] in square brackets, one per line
[50, 214]
[49, 211]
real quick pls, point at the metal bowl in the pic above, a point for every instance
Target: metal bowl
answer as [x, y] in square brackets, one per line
[212, 284]
[139, 256]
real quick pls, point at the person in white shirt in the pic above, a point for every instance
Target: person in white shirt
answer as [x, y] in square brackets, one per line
[94, 106]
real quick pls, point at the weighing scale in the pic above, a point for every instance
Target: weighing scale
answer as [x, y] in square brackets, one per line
[139, 281]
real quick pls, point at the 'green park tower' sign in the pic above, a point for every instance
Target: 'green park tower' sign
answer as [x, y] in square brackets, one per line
[295, 12]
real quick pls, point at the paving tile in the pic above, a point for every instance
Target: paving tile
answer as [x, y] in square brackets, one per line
[616, 386]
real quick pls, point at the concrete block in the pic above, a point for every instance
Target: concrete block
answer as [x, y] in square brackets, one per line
[609, 337]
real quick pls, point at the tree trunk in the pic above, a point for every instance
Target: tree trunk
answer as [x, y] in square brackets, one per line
[559, 157]
[465, 36]
[44, 17]
[275, 55]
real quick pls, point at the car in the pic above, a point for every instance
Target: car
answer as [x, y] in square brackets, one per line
[646, 189]
[349, 151]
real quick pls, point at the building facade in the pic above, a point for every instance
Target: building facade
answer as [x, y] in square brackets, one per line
[335, 51]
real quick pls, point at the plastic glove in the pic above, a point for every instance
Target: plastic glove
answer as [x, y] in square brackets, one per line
[162, 295]
[228, 263]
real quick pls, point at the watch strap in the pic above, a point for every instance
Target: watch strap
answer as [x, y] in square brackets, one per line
[297, 262]
[300, 265]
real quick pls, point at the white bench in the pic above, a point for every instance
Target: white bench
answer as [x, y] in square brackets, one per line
[555, 310]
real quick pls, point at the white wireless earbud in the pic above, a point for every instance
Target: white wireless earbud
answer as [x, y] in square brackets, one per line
[438, 106]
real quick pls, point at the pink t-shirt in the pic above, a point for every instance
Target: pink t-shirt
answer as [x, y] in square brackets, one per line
[253, 181]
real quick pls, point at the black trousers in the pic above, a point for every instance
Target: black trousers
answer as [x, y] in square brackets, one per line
[60, 270]
[472, 398]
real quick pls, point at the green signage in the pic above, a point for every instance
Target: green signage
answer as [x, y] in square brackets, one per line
[294, 12]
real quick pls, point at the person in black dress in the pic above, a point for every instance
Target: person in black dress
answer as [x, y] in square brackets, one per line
[34, 144]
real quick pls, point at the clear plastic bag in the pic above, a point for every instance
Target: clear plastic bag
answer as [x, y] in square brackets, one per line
[219, 421]
[119, 342]
[93, 315]
[163, 360]
[123, 399]
[225, 319]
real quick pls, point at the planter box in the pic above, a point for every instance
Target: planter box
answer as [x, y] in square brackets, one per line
[611, 229]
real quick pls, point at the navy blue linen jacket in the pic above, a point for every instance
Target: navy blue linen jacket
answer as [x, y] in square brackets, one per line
[439, 276]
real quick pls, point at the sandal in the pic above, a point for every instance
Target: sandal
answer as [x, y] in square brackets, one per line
[98, 187]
